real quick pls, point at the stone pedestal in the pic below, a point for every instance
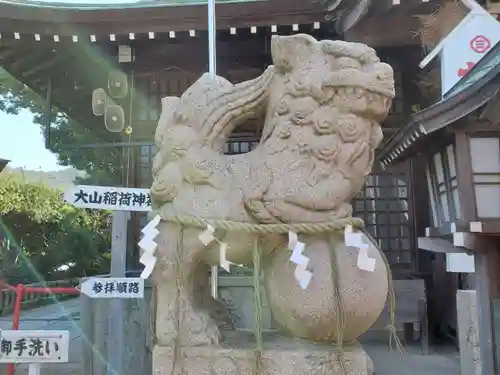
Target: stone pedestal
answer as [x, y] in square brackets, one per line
[468, 332]
[281, 356]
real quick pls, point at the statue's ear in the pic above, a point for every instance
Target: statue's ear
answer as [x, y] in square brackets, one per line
[169, 106]
[289, 51]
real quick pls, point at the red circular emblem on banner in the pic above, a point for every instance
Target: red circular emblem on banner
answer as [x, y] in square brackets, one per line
[480, 44]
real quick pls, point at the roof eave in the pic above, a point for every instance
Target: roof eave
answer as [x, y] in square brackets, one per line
[68, 22]
[439, 116]
[3, 164]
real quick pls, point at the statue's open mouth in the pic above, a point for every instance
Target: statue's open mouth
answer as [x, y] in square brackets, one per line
[351, 64]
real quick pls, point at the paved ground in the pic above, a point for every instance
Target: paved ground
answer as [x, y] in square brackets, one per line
[441, 361]
[413, 363]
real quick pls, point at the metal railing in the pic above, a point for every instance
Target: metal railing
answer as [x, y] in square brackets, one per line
[32, 300]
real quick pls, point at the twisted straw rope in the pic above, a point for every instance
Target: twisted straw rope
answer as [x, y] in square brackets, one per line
[304, 228]
[281, 228]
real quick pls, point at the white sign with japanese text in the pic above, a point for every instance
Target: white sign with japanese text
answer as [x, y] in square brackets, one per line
[34, 346]
[475, 36]
[113, 287]
[109, 198]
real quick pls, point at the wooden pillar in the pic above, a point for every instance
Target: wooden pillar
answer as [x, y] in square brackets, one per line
[487, 264]
[421, 216]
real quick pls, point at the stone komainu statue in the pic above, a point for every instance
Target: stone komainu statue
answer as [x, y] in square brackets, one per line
[323, 103]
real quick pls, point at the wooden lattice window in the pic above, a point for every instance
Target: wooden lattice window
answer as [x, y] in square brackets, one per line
[383, 205]
[239, 147]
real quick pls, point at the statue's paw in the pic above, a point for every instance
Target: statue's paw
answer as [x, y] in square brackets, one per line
[310, 203]
[291, 212]
[197, 327]
[211, 334]
[257, 209]
[205, 333]
[219, 312]
[167, 184]
[164, 193]
[279, 210]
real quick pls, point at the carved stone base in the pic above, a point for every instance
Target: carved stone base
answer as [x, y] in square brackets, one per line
[280, 357]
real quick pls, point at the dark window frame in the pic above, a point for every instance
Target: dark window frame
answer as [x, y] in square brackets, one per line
[447, 184]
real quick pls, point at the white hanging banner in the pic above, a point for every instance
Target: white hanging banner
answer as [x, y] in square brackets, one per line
[465, 45]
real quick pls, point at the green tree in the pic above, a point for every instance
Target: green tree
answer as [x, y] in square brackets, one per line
[40, 234]
[104, 166]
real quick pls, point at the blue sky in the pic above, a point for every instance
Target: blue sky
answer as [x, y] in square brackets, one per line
[22, 142]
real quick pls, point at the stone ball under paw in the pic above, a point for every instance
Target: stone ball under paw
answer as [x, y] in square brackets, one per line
[311, 314]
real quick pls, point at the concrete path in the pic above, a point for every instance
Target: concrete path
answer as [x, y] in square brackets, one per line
[413, 363]
[45, 313]
[66, 316]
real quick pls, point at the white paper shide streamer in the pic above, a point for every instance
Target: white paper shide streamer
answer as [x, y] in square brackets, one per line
[302, 275]
[148, 246]
[357, 240]
[207, 237]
